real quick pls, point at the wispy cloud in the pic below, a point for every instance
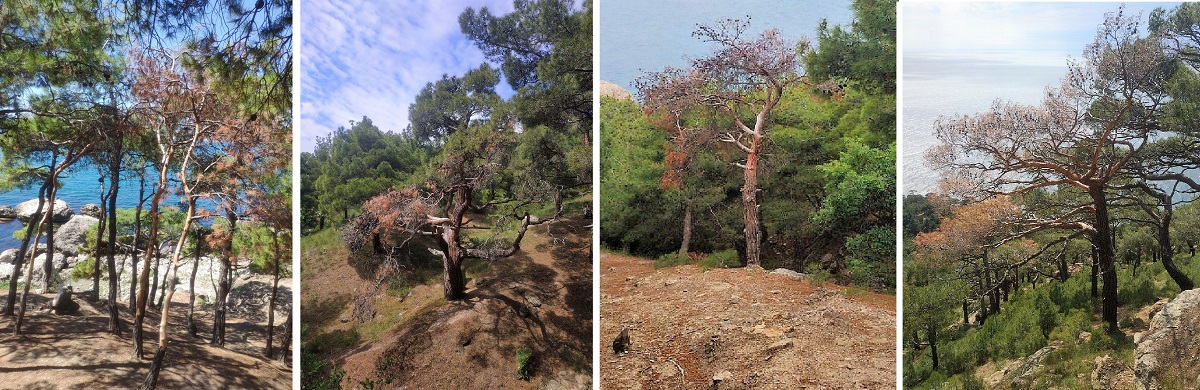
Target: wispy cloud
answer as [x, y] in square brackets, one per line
[1037, 33]
[371, 58]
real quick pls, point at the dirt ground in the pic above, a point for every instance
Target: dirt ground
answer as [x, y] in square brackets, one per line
[76, 351]
[540, 298]
[748, 327]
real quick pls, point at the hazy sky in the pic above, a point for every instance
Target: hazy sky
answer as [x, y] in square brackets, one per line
[960, 57]
[371, 58]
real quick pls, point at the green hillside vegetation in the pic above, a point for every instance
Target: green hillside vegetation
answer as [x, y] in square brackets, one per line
[825, 170]
[1057, 239]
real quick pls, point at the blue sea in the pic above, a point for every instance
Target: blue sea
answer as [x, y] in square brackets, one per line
[645, 36]
[80, 187]
[965, 84]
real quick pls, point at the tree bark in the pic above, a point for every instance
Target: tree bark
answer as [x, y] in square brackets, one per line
[137, 241]
[218, 336]
[1095, 271]
[687, 230]
[99, 235]
[22, 251]
[169, 288]
[933, 346]
[1107, 258]
[274, 294]
[28, 280]
[152, 240]
[1167, 252]
[49, 228]
[191, 315]
[750, 201]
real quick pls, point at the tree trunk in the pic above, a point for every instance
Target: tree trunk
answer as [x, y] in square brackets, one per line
[274, 294]
[687, 230]
[151, 381]
[28, 280]
[169, 288]
[1104, 246]
[750, 202]
[966, 306]
[285, 342]
[191, 315]
[152, 241]
[99, 235]
[47, 287]
[22, 251]
[1095, 271]
[218, 336]
[137, 241]
[933, 346]
[1168, 253]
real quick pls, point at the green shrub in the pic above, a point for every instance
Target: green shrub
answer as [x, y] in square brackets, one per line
[83, 270]
[524, 363]
[671, 259]
[722, 259]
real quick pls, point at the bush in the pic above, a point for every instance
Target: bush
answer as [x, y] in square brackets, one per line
[722, 259]
[83, 270]
[524, 363]
[671, 259]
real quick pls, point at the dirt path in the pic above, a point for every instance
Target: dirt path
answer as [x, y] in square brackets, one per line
[76, 351]
[687, 325]
[540, 298]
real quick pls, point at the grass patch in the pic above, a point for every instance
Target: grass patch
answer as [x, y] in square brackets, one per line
[524, 363]
[721, 259]
[671, 259]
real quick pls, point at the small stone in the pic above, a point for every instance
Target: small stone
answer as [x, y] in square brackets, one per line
[779, 345]
[533, 300]
[722, 376]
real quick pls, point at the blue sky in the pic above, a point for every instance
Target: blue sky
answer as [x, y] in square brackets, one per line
[371, 58]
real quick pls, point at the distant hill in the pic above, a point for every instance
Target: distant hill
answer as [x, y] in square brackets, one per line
[614, 91]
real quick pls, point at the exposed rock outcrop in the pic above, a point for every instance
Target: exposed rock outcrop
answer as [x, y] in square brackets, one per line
[70, 235]
[7, 212]
[614, 91]
[1166, 356]
[25, 210]
[91, 210]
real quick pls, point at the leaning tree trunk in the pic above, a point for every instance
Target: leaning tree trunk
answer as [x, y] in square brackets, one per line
[1107, 259]
[1167, 252]
[169, 288]
[28, 280]
[22, 251]
[144, 286]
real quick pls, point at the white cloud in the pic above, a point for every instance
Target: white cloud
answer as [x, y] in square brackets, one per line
[371, 58]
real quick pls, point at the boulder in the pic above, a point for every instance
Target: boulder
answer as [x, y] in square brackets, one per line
[91, 210]
[9, 256]
[621, 343]
[7, 212]
[791, 274]
[69, 236]
[1165, 358]
[1110, 374]
[6, 271]
[63, 304]
[62, 212]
